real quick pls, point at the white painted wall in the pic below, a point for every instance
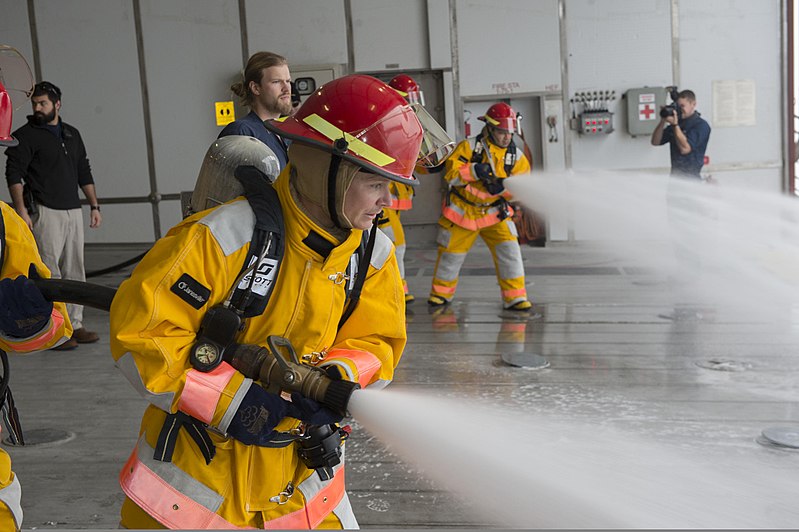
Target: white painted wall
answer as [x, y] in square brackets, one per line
[516, 49]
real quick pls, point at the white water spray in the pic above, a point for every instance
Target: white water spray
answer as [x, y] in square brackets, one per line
[531, 471]
[732, 247]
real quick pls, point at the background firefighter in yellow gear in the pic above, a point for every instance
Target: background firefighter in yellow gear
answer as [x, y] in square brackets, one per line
[477, 205]
[331, 192]
[401, 194]
[29, 323]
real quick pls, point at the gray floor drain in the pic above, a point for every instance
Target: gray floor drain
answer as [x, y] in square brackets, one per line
[40, 437]
[782, 437]
[721, 364]
[525, 360]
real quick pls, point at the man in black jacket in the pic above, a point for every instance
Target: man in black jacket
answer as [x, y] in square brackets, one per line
[51, 162]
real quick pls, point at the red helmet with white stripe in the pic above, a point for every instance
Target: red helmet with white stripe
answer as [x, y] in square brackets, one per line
[501, 116]
[408, 88]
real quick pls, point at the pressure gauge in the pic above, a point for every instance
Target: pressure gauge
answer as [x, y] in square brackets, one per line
[205, 356]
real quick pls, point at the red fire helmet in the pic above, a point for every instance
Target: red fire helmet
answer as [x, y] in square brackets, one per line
[501, 116]
[361, 119]
[6, 118]
[408, 88]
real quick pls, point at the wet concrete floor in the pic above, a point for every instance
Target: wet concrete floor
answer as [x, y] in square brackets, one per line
[619, 343]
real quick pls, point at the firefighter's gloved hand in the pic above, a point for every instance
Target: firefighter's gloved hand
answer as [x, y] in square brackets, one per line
[491, 182]
[312, 412]
[259, 413]
[23, 309]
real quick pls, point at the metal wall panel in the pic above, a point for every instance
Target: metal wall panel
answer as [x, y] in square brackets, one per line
[308, 32]
[745, 44]
[192, 51]
[617, 46]
[507, 47]
[390, 35]
[89, 51]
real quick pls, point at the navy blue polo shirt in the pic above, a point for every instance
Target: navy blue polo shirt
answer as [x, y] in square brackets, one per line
[697, 131]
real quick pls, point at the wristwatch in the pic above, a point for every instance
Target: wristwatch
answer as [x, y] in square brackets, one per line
[95, 208]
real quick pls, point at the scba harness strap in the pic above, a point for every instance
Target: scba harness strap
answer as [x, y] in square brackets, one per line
[510, 153]
[251, 292]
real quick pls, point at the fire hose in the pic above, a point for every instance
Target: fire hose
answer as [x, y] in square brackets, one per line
[275, 372]
[319, 448]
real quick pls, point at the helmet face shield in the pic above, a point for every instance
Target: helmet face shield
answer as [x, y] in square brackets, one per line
[436, 143]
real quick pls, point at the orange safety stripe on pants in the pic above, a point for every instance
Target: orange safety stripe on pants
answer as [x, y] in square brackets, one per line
[202, 391]
[38, 342]
[315, 510]
[165, 502]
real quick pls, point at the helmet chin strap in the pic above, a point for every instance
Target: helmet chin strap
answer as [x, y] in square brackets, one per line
[339, 147]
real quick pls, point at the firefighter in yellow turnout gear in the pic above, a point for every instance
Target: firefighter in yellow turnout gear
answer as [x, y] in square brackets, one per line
[28, 322]
[477, 205]
[235, 463]
[401, 194]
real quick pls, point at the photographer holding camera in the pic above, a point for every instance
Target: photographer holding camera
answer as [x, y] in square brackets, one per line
[687, 134]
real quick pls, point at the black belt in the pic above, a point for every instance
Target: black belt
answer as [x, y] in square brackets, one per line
[169, 435]
[165, 447]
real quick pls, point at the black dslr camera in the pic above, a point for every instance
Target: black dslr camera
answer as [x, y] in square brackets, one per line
[667, 110]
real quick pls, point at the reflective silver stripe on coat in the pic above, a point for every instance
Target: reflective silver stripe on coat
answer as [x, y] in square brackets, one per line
[400, 253]
[11, 496]
[179, 479]
[234, 405]
[509, 259]
[231, 225]
[127, 366]
[312, 485]
[381, 251]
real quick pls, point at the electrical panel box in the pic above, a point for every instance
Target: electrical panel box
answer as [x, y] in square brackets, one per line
[596, 122]
[643, 109]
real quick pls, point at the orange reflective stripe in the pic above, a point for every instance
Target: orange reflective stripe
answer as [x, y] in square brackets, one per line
[440, 289]
[398, 204]
[365, 362]
[164, 502]
[520, 292]
[202, 391]
[479, 194]
[38, 342]
[315, 509]
[465, 172]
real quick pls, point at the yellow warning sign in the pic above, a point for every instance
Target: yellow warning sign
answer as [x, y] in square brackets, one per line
[224, 113]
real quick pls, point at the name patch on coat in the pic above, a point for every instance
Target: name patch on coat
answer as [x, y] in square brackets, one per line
[191, 291]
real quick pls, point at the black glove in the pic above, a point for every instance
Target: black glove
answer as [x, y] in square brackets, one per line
[259, 413]
[311, 411]
[23, 309]
[486, 176]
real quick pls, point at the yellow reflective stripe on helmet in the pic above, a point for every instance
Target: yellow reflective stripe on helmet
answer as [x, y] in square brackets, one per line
[401, 93]
[355, 145]
[491, 120]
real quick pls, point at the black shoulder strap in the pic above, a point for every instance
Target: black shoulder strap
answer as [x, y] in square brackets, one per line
[252, 293]
[510, 153]
[364, 255]
[2, 240]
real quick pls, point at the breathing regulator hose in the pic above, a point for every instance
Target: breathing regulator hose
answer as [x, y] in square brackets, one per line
[268, 366]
